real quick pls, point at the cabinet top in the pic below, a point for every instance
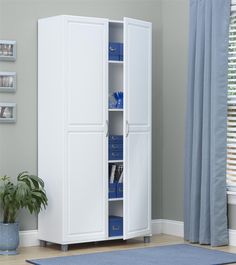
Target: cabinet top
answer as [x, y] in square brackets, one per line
[77, 17]
[71, 17]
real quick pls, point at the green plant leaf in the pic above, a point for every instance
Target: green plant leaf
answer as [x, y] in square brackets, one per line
[27, 193]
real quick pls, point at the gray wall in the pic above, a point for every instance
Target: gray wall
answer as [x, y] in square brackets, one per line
[232, 216]
[18, 21]
[175, 53]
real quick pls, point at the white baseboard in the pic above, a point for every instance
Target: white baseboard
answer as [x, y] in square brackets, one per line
[174, 228]
[168, 227]
[232, 237]
[159, 226]
[29, 238]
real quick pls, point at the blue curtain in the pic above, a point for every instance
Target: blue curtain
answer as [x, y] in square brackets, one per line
[205, 219]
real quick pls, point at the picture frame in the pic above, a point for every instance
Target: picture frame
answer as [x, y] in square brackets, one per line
[7, 50]
[8, 82]
[7, 112]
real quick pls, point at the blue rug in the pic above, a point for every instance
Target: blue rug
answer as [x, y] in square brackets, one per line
[181, 254]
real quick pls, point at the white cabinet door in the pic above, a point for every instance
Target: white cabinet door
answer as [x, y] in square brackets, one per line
[86, 111]
[137, 128]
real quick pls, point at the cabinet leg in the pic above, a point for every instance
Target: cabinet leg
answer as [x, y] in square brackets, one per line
[146, 239]
[64, 248]
[43, 243]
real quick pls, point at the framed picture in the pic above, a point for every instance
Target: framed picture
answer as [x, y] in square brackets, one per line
[7, 112]
[7, 81]
[7, 50]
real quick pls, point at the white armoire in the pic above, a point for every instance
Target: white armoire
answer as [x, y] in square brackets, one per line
[75, 79]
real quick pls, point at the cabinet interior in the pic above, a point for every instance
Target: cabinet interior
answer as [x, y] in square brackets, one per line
[115, 32]
[115, 116]
[115, 77]
[116, 208]
[116, 123]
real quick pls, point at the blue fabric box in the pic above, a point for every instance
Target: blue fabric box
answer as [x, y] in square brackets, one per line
[121, 52]
[116, 139]
[112, 190]
[114, 51]
[115, 226]
[114, 57]
[119, 190]
[116, 146]
[115, 155]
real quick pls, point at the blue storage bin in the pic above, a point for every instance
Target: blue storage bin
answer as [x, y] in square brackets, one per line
[112, 190]
[119, 190]
[115, 226]
[115, 155]
[121, 52]
[114, 51]
[114, 48]
[114, 57]
[115, 139]
[116, 146]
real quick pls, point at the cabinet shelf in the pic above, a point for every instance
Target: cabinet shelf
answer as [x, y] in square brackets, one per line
[115, 161]
[115, 237]
[116, 110]
[115, 199]
[115, 62]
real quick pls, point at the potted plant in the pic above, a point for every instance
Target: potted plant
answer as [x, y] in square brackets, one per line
[28, 192]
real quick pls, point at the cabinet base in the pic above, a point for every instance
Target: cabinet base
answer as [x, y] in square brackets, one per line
[64, 248]
[43, 243]
[146, 239]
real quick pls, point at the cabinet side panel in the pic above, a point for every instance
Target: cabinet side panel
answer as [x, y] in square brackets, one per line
[51, 125]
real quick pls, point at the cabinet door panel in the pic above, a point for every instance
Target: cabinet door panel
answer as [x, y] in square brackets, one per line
[138, 184]
[138, 71]
[137, 127]
[86, 185]
[86, 142]
[86, 79]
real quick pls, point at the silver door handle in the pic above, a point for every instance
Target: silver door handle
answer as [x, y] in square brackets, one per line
[107, 128]
[127, 129]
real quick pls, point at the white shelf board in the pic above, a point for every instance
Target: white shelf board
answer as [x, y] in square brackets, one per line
[116, 21]
[115, 237]
[115, 161]
[115, 199]
[115, 62]
[115, 109]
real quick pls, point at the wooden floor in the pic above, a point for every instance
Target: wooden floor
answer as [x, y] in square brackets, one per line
[54, 250]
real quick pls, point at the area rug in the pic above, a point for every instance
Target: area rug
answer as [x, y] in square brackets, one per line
[181, 254]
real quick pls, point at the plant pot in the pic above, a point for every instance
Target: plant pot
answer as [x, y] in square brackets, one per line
[9, 238]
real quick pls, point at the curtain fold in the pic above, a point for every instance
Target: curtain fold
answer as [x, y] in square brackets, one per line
[205, 209]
